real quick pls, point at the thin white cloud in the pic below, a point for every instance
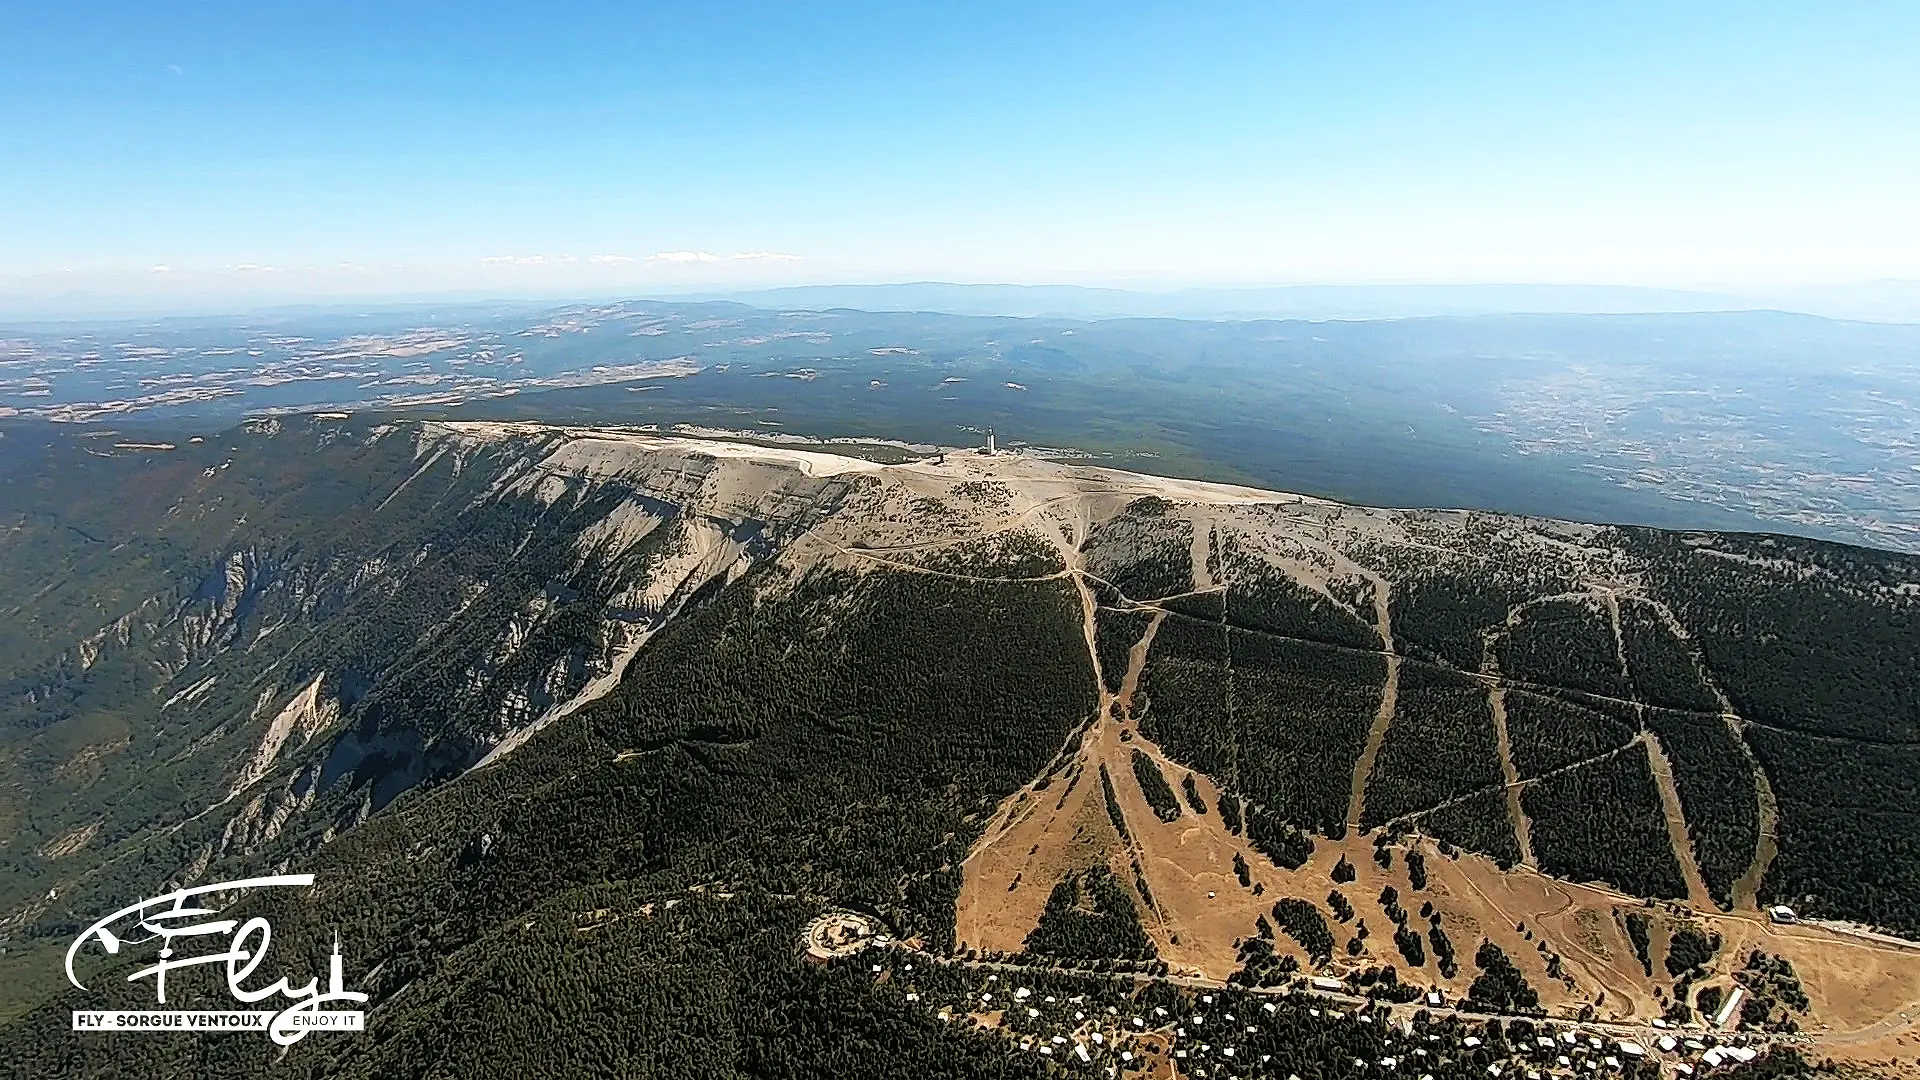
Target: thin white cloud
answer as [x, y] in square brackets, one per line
[528, 260]
[256, 268]
[161, 270]
[678, 258]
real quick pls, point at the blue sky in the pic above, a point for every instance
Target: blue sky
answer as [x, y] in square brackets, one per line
[411, 148]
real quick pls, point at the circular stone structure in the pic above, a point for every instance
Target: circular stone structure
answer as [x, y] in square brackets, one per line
[839, 933]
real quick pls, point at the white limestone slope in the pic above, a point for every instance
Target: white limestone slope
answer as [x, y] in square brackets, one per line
[819, 509]
[305, 715]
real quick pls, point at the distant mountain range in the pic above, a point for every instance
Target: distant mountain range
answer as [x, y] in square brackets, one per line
[1878, 301]
[1888, 300]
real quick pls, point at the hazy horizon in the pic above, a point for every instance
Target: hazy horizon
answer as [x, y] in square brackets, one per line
[1886, 300]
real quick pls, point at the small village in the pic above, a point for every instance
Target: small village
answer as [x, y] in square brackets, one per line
[1130, 1023]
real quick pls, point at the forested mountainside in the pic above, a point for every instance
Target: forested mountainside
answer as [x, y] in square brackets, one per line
[1776, 678]
[576, 728]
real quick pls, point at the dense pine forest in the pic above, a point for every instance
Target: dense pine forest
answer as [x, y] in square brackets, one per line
[1154, 787]
[1838, 857]
[1114, 635]
[1091, 915]
[1476, 822]
[1440, 746]
[1563, 643]
[1297, 722]
[856, 766]
[1831, 690]
[1714, 775]
[1613, 798]
[1663, 670]
[1548, 733]
[1814, 644]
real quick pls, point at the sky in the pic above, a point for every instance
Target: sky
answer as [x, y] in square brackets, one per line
[401, 149]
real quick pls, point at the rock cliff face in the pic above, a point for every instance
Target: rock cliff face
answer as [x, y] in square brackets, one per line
[320, 616]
